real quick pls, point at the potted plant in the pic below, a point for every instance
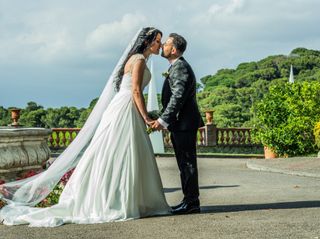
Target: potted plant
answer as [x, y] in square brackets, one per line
[285, 118]
[264, 136]
[269, 153]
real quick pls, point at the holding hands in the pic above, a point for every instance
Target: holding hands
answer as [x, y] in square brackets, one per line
[157, 126]
[153, 125]
[152, 122]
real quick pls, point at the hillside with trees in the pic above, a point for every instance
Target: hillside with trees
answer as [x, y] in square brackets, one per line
[231, 93]
[35, 115]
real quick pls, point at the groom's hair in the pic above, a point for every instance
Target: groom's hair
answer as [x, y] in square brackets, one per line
[178, 42]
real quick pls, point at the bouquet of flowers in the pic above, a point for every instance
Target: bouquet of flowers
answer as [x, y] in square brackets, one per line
[149, 130]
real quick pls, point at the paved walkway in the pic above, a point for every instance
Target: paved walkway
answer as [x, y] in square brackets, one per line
[236, 202]
[307, 166]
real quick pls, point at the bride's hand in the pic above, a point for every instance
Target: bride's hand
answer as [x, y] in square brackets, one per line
[148, 121]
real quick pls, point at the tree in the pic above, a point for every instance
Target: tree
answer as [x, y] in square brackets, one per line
[32, 106]
[52, 118]
[34, 118]
[5, 118]
[228, 115]
[250, 81]
[68, 115]
[84, 113]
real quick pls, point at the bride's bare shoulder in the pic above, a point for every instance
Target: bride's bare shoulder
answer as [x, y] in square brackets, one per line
[136, 56]
[132, 60]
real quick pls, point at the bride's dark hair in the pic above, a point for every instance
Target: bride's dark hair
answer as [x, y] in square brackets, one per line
[146, 36]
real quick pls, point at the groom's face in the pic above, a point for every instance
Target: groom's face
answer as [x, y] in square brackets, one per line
[167, 48]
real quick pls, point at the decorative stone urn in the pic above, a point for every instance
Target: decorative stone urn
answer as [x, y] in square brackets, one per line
[209, 116]
[15, 115]
[22, 149]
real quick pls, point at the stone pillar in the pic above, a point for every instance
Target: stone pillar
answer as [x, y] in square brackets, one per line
[211, 135]
[210, 129]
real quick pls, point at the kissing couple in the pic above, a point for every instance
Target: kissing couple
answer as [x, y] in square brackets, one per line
[115, 174]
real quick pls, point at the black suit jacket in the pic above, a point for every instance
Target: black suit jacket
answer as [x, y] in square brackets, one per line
[180, 108]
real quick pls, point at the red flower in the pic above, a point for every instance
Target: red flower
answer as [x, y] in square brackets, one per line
[2, 181]
[66, 176]
[28, 174]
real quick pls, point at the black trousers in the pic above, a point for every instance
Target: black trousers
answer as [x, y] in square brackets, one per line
[184, 144]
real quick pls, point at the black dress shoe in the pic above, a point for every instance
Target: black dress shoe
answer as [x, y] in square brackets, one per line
[187, 208]
[177, 206]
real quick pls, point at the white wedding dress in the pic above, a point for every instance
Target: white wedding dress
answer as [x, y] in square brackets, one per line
[117, 177]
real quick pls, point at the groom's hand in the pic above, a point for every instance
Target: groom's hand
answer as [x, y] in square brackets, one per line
[157, 126]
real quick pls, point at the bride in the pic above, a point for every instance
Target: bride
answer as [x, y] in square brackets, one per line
[116, 176]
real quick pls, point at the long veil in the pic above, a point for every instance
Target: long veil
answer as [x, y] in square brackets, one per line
[31, 191]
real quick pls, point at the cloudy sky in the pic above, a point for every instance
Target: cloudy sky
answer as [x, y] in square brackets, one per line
[61, 52]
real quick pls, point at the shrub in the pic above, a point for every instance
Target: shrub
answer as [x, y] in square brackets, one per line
[285, 118]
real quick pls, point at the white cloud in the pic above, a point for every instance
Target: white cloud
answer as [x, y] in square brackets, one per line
[49, 37]
[217, 11]
[228, 8]
[229, 32]
[44, 46]
[75, 43]
[109, 35]
[39, 37]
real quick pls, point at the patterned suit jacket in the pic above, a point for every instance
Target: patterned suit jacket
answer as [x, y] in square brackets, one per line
[180, 108]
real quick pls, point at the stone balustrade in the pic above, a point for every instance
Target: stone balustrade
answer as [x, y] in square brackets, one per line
[208, 135]
[233, 136]
[62, 137]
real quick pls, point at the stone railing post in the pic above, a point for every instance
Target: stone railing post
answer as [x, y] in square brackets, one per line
[210, 135]
[210, 129]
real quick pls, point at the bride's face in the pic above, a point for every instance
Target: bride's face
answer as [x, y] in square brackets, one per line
[156, 45]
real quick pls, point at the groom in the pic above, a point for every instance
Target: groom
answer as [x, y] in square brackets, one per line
[180, 115]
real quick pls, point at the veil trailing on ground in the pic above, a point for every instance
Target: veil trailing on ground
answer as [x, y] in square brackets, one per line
[31, 191]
